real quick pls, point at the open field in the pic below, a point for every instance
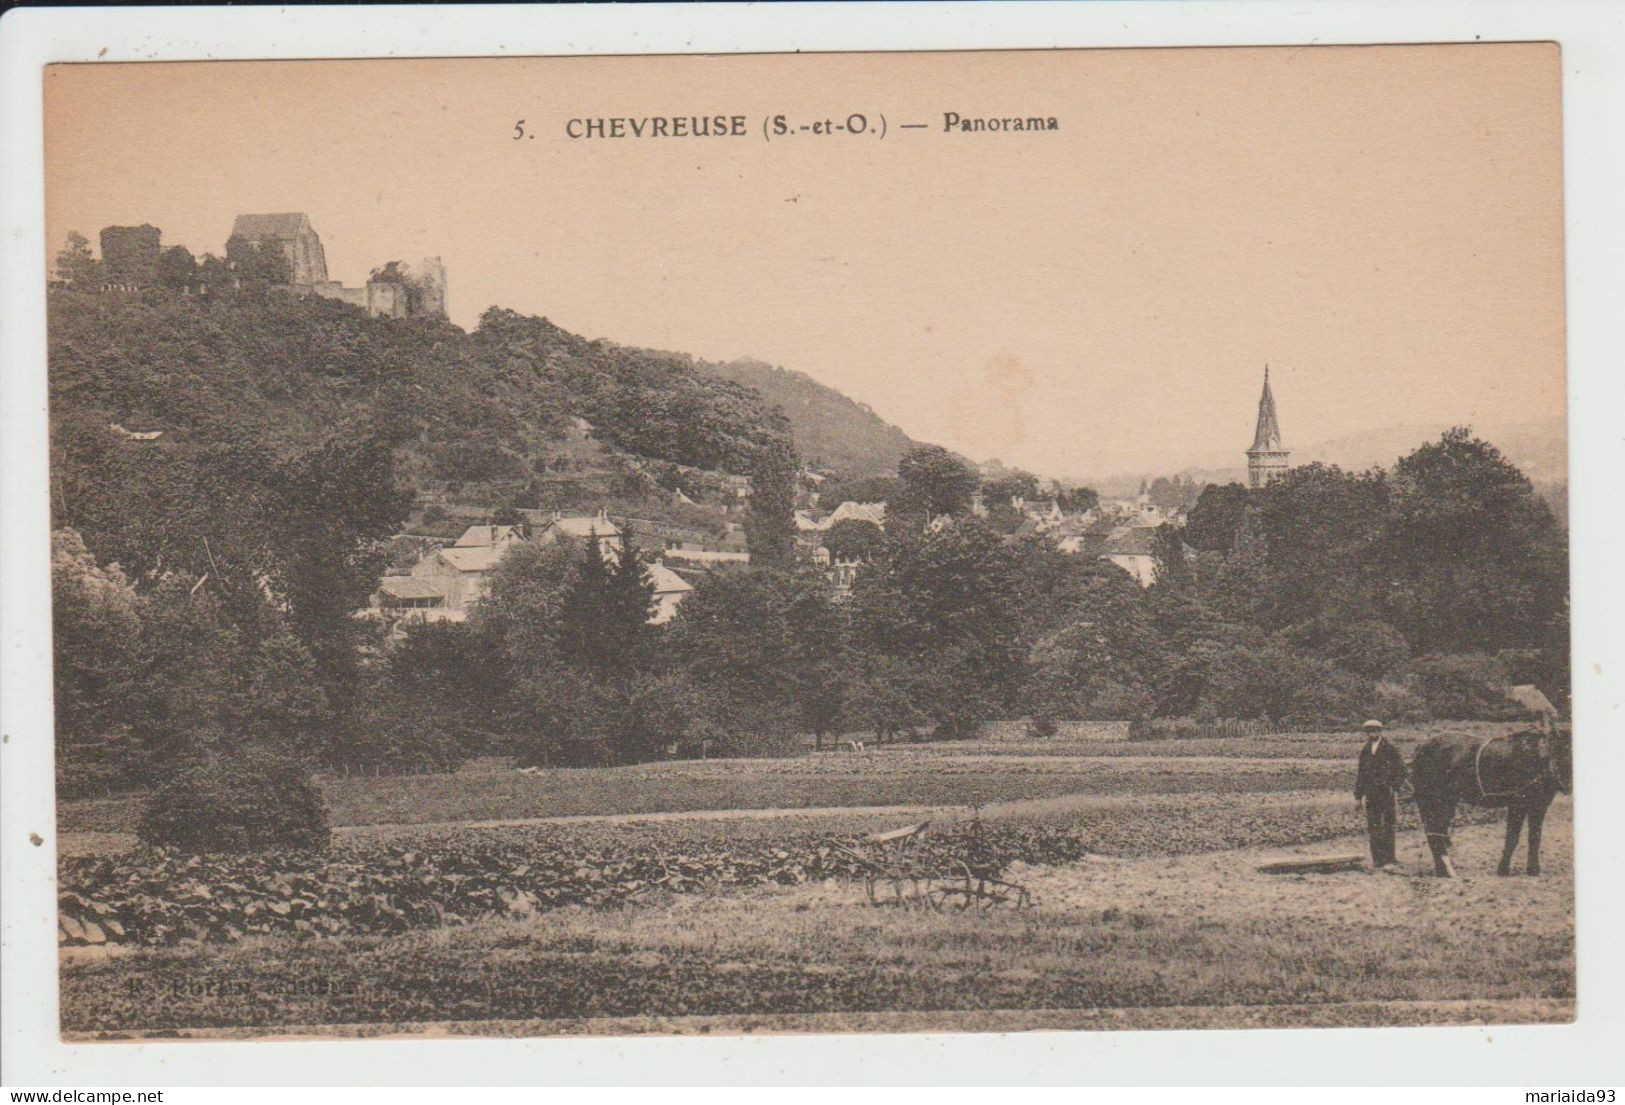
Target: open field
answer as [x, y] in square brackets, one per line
[1137, 935]
[1148, 908]
[960, 773]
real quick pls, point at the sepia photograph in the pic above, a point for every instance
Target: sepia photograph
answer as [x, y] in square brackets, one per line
[976, 541]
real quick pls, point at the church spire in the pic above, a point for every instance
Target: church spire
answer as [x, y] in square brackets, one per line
[1268, 457]
[1267, 437]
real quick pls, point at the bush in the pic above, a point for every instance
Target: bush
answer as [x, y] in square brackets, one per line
[1213, 681]
[253, 804]
[1466, 687]
[582, 721]
[1162, 729]
[1042, 727]
[1111, 700]
[1371, 648]
[1396, 702]
[398, 732]
[1332, 695]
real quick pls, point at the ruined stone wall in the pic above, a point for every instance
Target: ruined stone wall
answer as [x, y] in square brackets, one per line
[307, 258]
[432, 281]
[332, 289]
[388, 300]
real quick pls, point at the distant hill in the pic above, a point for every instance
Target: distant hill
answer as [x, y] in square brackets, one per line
[829, 428]
[1539, 447]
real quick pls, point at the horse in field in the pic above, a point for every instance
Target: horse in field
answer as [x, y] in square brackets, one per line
[1522, 772]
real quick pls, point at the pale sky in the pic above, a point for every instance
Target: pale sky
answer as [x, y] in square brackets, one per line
[1382, 225]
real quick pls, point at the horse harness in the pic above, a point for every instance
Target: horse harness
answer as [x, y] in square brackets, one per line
[1478, 774]
[1484, 793]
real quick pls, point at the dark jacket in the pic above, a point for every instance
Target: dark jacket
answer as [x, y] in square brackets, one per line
[1379, 773]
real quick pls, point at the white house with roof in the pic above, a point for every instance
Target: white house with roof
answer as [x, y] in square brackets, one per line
[670, 590]
[857, 512]
[597, 529]
[445, 584]
[1133, 549]
[810, 522]
[401, 601]
[460, 572]
[496, 537]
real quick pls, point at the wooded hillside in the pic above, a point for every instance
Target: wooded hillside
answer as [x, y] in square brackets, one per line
[830, 429]
[487, 413]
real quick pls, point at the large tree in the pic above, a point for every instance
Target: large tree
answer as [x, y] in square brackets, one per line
[770, 523]
[1015, 484]
[854, 539]
[1316, 527]
[604, 614]
[95, 624]
[1473, 559]
[936, 482]
[733, 635]
[177, 268]
[523, 599]
[1215, 519]
[1075, 500]
[949, 600]
[329, 514]
[764, 645]
[75, 264]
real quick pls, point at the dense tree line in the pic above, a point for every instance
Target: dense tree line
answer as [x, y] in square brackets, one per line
[1325, 596]
[1321, 603]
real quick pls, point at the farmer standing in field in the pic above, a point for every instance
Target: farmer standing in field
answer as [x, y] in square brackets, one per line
[1376, 784]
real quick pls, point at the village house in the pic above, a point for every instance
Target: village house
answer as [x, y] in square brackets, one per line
[1045, 516]
[706, 558]
[670, 590]
[404, 598]
[810, 521]
[841, 572]
[447, 583]
[1133, 549]
[497, 537]
[460, 573]
[577, 530]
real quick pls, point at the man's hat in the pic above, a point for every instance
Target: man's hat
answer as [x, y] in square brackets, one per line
[1372, 725]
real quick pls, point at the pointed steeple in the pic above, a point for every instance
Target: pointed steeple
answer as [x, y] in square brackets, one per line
[1267, 438]
[1267, 458]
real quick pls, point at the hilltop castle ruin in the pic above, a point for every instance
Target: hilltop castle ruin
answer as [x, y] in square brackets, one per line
[393, 291]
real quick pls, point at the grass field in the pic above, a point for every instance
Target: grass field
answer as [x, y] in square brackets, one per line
[951, 773]
[1166, 920]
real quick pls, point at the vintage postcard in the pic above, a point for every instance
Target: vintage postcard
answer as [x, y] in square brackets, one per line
[810, 543]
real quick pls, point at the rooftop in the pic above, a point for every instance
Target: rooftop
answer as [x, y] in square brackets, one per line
[480, 536]
[579, 526]
[408, 587]
[288, 224]
[1136, 541]
[666, 581]
[481, 558]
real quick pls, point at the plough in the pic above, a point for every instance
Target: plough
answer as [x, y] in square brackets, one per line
[896, 871]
